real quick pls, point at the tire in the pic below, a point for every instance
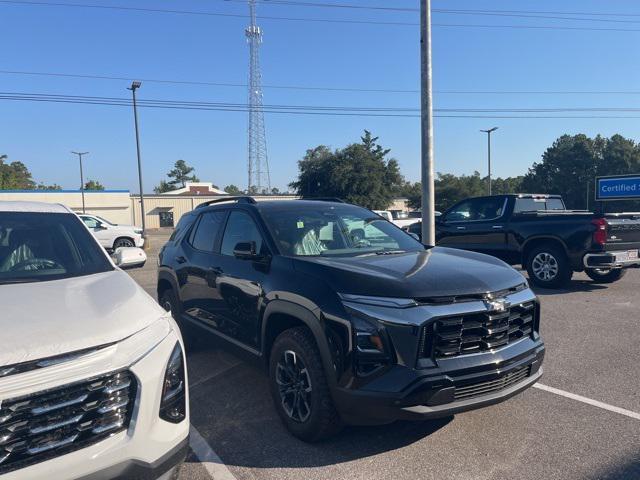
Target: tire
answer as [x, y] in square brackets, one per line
[605, 276]
[169, 301]
[295, 364]
[123, 242]
[548, 267]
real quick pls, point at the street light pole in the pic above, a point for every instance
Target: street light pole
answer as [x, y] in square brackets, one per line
[80, 154]
[428, 189]
[488, 132]
[134, 86]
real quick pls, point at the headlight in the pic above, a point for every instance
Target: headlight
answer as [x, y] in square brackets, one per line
[137, 231]
[173, 406]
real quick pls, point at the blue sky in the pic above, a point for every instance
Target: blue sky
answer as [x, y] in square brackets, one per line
[207, 48]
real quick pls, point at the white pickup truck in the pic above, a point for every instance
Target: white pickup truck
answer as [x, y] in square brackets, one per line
[111, 235]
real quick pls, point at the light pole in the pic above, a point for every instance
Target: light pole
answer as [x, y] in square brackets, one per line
[80, 154]
[488, 132]
[426, 109]
[134, 86]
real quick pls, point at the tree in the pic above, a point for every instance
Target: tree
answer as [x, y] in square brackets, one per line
[93, 185]
[358, 173]
[179, 176]
[233, 190]
[570, 165]
[15, 176]
[275, 191]
[43, 186]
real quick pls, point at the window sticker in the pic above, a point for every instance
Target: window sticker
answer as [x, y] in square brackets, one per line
[300, 224]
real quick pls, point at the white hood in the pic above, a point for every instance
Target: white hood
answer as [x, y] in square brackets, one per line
[43, 319]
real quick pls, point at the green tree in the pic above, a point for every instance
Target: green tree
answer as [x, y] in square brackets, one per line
[275, 191]
[233, 190]
[179, 175]
[360, 173]
[93, 185]
[43, 186]
[15, 175]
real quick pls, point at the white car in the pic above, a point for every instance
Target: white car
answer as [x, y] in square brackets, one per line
[111, 235]
[93, 383]
[386, 214]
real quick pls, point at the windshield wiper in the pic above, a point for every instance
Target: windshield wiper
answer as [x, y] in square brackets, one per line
[390, 252]
[20, 280]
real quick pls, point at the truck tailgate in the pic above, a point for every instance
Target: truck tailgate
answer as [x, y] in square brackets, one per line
[623, 231]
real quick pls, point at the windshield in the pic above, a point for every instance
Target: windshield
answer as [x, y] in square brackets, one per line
[36, 247]
[104, 220]
[335, 230]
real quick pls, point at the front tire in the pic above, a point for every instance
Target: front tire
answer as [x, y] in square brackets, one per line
[299, 387]
[605, 276]
[548, 267]
[123, 242]
[169, 301]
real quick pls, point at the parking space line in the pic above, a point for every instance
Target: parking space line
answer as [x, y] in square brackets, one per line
[588, 401]
[208, 458]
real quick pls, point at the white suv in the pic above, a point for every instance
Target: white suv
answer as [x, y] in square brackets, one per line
[92, 372]
[111, 235]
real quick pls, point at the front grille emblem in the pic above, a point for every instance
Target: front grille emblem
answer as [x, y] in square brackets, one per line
[497, 304]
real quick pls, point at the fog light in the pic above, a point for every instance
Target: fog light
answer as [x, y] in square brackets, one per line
[173, 404]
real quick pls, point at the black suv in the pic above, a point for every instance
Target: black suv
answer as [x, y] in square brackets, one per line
[355, 320]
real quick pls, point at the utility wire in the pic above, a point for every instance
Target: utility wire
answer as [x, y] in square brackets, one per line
[129, 78]
[316, 20]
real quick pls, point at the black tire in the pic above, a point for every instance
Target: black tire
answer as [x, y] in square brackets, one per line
[169, 301]
[605, 276]
[317, 418]
[123, 242]
[557, 275]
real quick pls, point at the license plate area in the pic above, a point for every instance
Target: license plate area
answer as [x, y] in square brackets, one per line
[626, 256]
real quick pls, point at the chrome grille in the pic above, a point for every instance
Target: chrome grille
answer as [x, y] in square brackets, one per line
[477, 332]
[47, 424]
[464, 392]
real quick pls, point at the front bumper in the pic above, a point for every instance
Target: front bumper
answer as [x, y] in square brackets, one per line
[609, 260]
[433, 394]
[150, 448]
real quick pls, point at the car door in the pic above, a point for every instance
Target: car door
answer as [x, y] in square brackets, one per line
[198, 269]
[476, 224]
[99, 230]
[241, 281]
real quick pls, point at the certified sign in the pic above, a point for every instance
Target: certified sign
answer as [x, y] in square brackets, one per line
[622, 187]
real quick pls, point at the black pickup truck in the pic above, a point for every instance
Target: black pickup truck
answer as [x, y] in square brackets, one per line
[539, 233]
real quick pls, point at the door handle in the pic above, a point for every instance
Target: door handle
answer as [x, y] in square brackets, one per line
[461, 228]
[181, 259]
[497, 227]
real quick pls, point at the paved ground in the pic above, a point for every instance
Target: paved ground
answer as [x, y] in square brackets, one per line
[593, 350]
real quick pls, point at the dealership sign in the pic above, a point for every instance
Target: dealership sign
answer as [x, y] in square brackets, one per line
[622, 187]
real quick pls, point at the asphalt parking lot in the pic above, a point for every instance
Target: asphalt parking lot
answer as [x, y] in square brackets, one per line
[573, 432]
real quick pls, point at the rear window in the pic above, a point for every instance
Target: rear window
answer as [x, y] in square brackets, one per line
[36, 247]
[537, 204]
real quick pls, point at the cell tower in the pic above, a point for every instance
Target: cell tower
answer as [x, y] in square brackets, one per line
[258, 163]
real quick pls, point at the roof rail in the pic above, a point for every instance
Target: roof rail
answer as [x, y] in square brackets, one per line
[323, 199]
[237, 199]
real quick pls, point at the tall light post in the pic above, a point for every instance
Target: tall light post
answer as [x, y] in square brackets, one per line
[426, 108]
[80, 154]
[488, 132]
[134, 86]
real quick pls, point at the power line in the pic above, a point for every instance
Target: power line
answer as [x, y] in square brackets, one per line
[128, 78]
[324, 110]
[315, 20]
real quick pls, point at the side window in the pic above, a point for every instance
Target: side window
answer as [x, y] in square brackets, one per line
[205, 232]
[90, 222]
[240, 228]
[477, 209]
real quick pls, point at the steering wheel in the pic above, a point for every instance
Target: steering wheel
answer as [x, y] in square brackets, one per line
[36, 264]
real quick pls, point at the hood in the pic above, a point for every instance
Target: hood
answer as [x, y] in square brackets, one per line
[43, 319]
[123, 227]
[438, 272]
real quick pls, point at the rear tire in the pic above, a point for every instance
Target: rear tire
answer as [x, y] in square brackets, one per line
[299, 387]
[548, 267]
[169, 301]
[605, 276]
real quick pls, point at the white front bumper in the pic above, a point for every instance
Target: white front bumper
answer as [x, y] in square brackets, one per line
[148, 438]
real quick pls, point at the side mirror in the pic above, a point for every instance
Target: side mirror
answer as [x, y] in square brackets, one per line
[101, 226]
[129, 257]
[245, 250]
